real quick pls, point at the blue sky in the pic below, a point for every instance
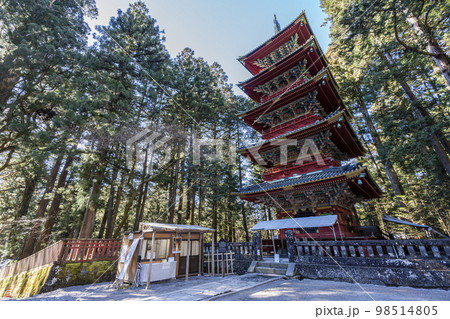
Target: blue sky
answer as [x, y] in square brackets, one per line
[221, 30]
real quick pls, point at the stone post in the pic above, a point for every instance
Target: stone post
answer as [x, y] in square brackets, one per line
[257, 249]
[290, 243]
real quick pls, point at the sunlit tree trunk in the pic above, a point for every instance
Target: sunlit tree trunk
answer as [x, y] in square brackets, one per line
[40, 211]
[54, 207]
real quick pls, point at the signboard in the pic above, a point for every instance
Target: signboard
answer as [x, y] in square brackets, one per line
[222, 246]
[176, 245]
[276, 258]
[123, 254]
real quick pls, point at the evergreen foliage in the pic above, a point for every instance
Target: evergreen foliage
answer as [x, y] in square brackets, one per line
[68, 109]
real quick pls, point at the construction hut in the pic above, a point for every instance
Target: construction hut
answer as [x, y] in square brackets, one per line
[160, 252]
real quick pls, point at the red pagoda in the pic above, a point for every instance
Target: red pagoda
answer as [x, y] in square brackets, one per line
[299, 111]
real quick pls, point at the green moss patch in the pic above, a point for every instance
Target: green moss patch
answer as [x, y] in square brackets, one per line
[51, 277]
[75, 274]
[25, 284]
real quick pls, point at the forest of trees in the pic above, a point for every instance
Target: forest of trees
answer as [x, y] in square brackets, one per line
[391, 61]
[69, 106]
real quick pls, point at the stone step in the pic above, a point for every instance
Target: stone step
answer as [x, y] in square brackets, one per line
[269, 270]
[272, 265]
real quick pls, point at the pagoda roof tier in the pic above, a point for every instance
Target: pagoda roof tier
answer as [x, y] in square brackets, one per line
[356, 176]
[278, 46]
[342, 135]
[291, 71]
[327, 95]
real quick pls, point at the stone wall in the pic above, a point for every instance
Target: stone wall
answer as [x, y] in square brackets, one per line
[75, 274]
[54, 276]
[423, 273]
[241, 263]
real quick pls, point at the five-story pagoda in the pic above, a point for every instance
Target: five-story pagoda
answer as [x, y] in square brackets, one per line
[306, 137]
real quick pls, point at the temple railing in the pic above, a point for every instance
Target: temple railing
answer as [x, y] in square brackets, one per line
[242, 248]
[69, 250]
[400, 249]
[83, 250]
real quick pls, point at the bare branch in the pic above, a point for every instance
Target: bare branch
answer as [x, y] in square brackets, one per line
[397, 37]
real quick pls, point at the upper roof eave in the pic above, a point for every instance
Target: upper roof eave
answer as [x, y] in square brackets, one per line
[330, 118]
[300, 48]
[318, 76]
[302, 14]
[308, 178]
[348, 171]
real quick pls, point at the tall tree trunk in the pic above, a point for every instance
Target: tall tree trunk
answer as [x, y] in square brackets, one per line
[144, 200]
[27, 195]
[214, 219]
[180, 205]
[388, 167]
[36, 223]
[188, 202]
[189, 179]
[369, 152]
[230, 223]
[30, 186]
[243, 209]
[180, 196]
[54, 207]
[173, 189]
[420, 113]
[244, 222]
[110, 223]
[434, 50]
[109, 206]
[87, 226]
[200, 202]
[138, 217]
[192, 212]
[133, 195]
[170, 199]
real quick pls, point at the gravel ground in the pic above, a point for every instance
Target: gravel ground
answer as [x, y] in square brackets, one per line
[248, 287]
[196, 288]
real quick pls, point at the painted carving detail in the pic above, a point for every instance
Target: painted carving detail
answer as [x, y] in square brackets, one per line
[292, 110]
[298, 73]
[339, 194]
[323, 142]
[279, 53]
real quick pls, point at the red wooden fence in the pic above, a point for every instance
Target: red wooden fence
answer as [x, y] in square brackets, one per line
[90, 250]
[68, 250]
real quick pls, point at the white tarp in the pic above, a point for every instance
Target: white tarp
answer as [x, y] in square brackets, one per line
[301, 222]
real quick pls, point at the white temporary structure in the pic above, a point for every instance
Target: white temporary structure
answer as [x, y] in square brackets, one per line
[299, 222]
[161, 251]
[292, 223]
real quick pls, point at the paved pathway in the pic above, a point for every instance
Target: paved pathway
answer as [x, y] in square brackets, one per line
[318, 290]
[196, 288]
[248, 287]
